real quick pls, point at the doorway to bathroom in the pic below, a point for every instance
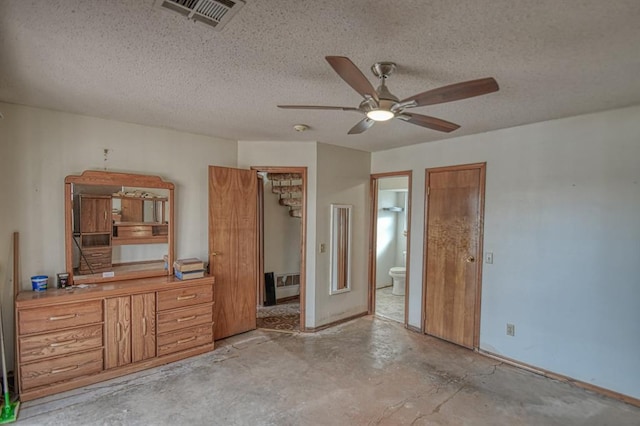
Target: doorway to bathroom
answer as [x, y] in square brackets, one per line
[389, 255]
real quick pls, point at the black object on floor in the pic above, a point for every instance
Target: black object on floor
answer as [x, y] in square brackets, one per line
[270, 289]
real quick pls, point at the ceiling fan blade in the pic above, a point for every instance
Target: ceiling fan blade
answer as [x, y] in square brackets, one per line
[352, 75]
[429, 122]
[455, 92]
[362, 125]
[340, 108]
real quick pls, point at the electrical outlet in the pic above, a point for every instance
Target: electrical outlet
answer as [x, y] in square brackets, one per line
[511, 330]
[488, 257]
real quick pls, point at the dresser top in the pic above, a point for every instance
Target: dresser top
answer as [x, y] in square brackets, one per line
[110, 289]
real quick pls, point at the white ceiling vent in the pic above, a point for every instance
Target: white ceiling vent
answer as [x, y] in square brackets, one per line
[211, 12]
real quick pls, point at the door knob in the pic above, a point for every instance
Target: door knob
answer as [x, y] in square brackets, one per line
[470, 259]
[215, 253]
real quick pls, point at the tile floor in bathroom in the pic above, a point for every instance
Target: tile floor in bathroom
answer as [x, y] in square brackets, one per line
[388, 305]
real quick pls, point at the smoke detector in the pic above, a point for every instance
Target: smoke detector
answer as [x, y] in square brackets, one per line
[300, 127]
[215, 13]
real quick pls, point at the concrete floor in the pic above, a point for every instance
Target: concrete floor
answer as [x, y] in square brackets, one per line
[366, 372]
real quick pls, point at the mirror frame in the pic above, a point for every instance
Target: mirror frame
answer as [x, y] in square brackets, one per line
[97, 178]
[341, 241]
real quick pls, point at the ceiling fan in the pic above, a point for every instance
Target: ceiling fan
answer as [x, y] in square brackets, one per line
[382, 105]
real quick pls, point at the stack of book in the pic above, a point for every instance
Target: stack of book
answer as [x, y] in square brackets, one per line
[186, 269]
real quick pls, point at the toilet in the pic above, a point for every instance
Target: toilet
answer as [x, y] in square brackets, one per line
[398, 273]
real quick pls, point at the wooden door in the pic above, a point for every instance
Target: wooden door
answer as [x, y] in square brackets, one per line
[233, 248]
[117, 332]
[143, 326]
[454, 253]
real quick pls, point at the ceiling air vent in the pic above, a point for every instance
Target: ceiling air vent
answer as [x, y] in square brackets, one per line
[211, 12]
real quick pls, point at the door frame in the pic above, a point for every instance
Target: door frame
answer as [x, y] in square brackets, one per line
[483, 172]
[373, 234]
[303, 236]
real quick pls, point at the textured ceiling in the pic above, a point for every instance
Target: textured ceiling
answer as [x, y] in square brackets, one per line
[130, 61]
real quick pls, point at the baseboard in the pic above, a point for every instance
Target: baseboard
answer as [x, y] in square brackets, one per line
[560, 377]
[413, 328]
[334, 323]
[287, 299]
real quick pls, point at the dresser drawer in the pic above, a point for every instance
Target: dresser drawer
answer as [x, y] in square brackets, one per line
[187, 296]
[183, 318]
[98, 258]
[33, 348]
[184, 339]
[57, 317]
[60, 369]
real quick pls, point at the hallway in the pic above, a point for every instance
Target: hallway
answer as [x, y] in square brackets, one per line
[367, 371]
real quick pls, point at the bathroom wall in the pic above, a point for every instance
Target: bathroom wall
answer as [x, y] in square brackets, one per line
[401, 239]
[386, 242]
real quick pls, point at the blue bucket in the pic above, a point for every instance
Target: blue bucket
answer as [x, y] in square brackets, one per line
[39, 282]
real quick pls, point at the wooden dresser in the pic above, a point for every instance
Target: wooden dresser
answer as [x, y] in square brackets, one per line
[68, 338]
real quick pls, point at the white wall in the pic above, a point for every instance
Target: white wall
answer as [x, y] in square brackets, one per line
[562, 219]
[38, 148]
[291, 154]
[401, 239]
[386, 241]
[343, 178]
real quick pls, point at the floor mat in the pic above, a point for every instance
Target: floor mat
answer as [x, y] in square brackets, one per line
[284, 317]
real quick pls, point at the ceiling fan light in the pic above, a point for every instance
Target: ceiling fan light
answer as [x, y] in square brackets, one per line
[380, 115]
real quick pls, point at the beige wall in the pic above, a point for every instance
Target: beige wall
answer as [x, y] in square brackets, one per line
[39, 147]
[343, 178]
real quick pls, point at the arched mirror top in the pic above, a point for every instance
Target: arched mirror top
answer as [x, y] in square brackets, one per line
[118, 226]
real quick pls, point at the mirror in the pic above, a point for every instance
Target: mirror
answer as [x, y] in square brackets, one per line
[340, 248]
[118, 226]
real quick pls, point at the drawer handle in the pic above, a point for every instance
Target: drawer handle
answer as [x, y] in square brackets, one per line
[65, 343]
[144, 326]
[190, 339]
[192, 317]
[191, 296]
[96, 254]
[63, 317]
[64, 370]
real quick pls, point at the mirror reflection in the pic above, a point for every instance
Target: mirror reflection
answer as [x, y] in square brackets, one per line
[118, 230]
[340, 248]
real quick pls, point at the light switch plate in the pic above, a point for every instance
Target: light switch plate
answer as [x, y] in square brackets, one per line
[488, 257]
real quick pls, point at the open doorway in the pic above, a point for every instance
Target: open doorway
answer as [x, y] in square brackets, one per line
[390, 231]
[282, 242]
